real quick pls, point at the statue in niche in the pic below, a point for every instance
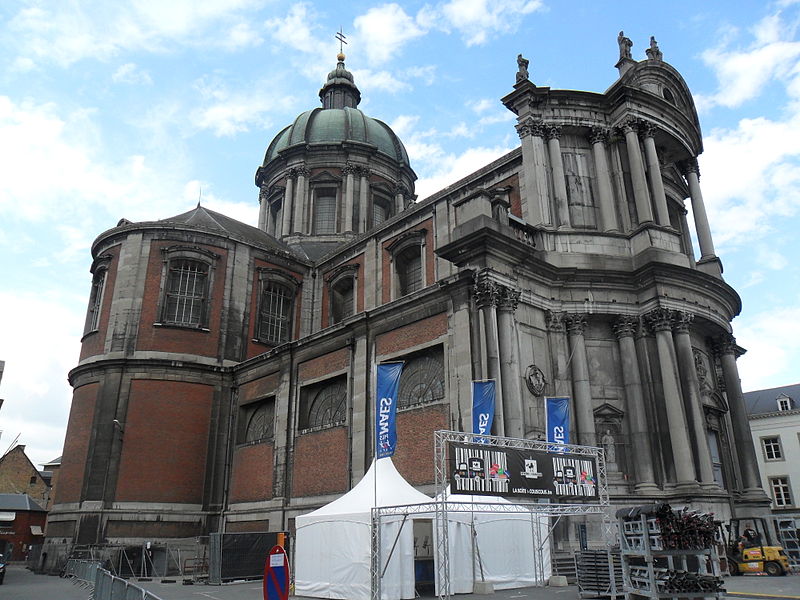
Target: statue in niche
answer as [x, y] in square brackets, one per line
[609, 445]
[522, 68]
[625, 45]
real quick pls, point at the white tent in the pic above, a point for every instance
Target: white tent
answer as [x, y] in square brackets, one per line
[500, 547]
[333, 543]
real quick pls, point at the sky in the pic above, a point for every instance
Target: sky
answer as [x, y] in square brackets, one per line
[136, 109]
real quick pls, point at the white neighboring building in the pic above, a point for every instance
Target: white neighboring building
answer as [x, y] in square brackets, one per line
[774, 416]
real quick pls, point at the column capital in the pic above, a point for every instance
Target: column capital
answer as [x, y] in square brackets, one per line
[291, 172]
[629, 125]
[689, 165]
[350, 169]
[726, 344]
[555, 320]
[263, 193]
[302, 171]
[681, 321]
[530, 126]
[659, 319]
[598, 135]
[625, 326]
[576, 323]
[647, 129]
[552, 131]
[485, 292]
[364, 171]
[507, 298]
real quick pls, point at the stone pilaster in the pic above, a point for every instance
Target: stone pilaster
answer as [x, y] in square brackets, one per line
[598, 137]
[552, 134]
[640, 193]
[288, 203]
[535, 202]
[625, 328]
[648, 131]
[508, 342]
[485, 293]
[263, 208]
[301, 201]
[584, 408]
[727, 350]
[349, 195]
[363, 199]
[693, 401]
[660, 321]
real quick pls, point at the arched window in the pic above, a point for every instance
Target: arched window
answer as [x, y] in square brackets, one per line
[275, 313]
[342, 299]
[381, 209]
[257, 421]
[186, 293]
[95, 301]
[324, 210]
[422, 379]
[324, 405]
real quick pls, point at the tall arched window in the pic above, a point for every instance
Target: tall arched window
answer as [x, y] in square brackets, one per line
[381, 209]
[409, 270]
[324, 210]
[342, 299]
[95, 301]
[187, 293]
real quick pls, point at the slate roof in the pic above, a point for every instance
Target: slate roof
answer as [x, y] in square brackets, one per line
[10, 502]
[204, 218]
[760, 402]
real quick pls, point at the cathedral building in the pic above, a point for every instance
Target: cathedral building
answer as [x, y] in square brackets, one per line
[226, 377]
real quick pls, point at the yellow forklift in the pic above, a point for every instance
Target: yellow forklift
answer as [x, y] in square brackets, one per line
[750, 550]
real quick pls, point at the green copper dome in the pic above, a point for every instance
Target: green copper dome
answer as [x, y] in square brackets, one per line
[338, 126]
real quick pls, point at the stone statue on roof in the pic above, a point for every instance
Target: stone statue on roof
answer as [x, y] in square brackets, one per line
[653, 53]
[625, 45]
[522, 68]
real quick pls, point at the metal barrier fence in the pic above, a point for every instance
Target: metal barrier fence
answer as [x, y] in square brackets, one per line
[105, 586]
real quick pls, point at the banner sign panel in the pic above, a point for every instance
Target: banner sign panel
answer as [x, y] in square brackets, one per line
[386, 409]
[557, 420]
[483, 395]
[276, 575]
[476, 469]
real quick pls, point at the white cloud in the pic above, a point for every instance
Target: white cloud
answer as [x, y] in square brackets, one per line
[772, 340]
[131, 73]
[477, 20]
[384, 30]
[72, 30]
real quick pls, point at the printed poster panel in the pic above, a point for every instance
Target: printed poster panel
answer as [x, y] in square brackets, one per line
[516, 472]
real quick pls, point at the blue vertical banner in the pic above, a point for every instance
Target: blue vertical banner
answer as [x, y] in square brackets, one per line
[388, 384]
[557, 420]
[483, 397]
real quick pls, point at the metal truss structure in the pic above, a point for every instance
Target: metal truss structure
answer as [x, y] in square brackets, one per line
[443, 505]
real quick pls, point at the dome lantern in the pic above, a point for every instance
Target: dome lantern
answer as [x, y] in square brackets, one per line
[340, 90]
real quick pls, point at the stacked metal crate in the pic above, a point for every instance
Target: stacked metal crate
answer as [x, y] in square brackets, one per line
[599, 573]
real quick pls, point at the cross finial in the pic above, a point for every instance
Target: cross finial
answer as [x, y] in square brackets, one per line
[342, 40]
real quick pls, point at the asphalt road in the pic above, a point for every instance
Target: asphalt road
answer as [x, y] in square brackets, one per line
[21, 584]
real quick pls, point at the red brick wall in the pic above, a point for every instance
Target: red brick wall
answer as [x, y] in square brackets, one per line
[76, 444]
[180, 339]
[165, 442]
[414, 454]
[19, 533]
[514, 197]
[251, 479]
[255, 348]
[94, 343]
[386, 263]
[320, 463]
[322, 365]
[422, 331]
[259, 388]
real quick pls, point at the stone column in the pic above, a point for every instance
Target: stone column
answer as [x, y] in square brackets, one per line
[625, 328]
[535, 198]
[288, 204]
[300, 202]
[485, 293]
[263, 208]
[400, 193]
[661, 321]
[692, 398]
[349, 192]
[692, 173]
[584, 409]
[598, 137]
[644, 211]
[654, 173]
[727, 350]
[513, 410]
[553, 133]
[363, 200]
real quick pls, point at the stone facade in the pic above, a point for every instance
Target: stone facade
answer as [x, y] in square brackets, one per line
[226, 377]
[18, 475]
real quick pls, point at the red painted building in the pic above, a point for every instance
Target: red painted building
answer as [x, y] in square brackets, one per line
[21, 526]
